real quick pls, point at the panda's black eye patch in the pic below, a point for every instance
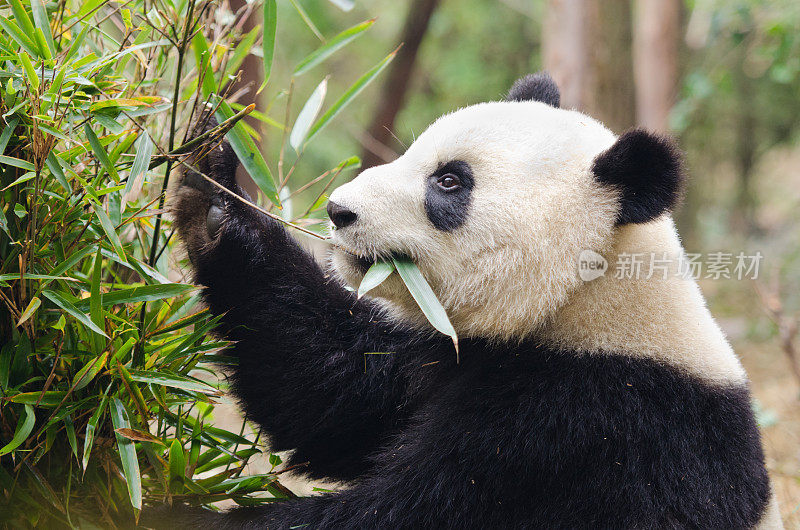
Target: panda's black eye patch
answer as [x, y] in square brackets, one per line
[448, 195]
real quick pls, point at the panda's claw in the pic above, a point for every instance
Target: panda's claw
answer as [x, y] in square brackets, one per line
[214, 221]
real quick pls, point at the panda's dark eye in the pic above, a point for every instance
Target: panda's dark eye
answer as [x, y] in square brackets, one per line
[448, 182]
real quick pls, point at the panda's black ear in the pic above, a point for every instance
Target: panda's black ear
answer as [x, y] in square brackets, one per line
[647, 170]
[536, 87]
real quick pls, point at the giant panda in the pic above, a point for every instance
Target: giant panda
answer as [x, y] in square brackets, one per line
[610, 403]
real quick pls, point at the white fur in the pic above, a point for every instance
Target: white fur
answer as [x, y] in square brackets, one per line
[664, 318]
[510, 271]
[771, 520]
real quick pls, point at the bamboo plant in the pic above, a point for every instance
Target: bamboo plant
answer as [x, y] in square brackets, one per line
[107, 365]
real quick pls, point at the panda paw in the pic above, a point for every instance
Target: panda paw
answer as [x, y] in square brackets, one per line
[198, 206]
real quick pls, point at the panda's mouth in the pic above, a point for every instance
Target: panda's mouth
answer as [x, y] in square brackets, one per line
[362, 263]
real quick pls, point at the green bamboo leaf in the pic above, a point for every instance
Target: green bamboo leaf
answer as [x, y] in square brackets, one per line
[147, 272]
[95, 302]
[147, 111]
[268, 40]
[41, 42]
[172, 380]
[4, 228]
[24, 178]
[143, 293]
[260, 116]
[6, 354]
[353, 161]
[425, 297]
[53, 132]
[28, 276]
[319, 203]
[30, 71]
[89, 371]
[241, 51]
[335, 44]
[115, 103]
[222, 434]
[53, 164]
[377, 273]
[33, 305]
[71, 438]
[144, 152]
[211, 459]
[240, 140]
[49, 399]
[76, 44]
[99, 152]
[7, 132]
[123, 350]
[91, 428]
[133, 390]
[16, 162]
[177, 466]
[89, 6]
[19, 36]
[350, 94]
[307, 115]
[23, 430]
[127, 453]
[202, 58]
[67, 264]
[21, 16]
[58, 81]
[61, 301]
[307, 19]
[109, 229]
[248, 153]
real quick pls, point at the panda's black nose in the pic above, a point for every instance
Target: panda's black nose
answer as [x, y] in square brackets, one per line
[340, 215]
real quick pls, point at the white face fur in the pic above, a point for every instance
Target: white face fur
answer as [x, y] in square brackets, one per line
[509, 269]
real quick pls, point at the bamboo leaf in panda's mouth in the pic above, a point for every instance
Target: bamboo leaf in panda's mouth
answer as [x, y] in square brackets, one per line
[419, 288]
[426, 299]
[377, 273]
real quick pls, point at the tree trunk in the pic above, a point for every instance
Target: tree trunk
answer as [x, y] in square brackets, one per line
[394, 89]
[587, 49]
[743, 218]
[655, 60]
[564, 50]
[608, 41]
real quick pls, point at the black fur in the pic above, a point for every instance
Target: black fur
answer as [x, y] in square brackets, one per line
[536, 87]
[647, 170]
[515, 436]
[448, 209]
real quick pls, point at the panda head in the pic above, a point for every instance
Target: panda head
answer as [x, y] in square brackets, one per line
[494, 202]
